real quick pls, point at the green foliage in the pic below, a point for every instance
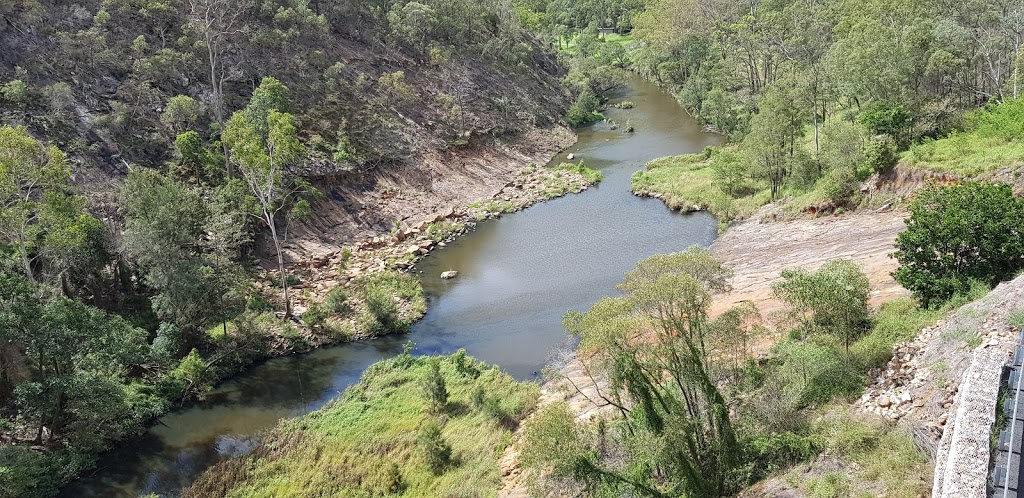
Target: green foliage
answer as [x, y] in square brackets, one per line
[885, 118]
[393, 301]
[832, 300]
[959, 233]
[380, 429]
[16, 93]
[584, 109]
[35, 208]
[896, 322]
[336, 302]
[315, 315]
[181, 113]
[674, 402]
[192, 375]
[1003, 121]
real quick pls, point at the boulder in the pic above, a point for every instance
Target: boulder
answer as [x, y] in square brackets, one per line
[570, 157]
[883, 401]
[449, 274]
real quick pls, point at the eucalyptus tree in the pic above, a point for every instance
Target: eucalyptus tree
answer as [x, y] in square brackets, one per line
[264, 144]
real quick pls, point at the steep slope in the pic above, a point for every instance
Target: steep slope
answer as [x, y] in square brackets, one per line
[389, 96]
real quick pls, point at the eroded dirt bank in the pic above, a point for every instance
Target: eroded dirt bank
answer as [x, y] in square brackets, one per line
[436, 182]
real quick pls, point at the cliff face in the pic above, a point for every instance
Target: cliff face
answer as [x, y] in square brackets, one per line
[393, 100]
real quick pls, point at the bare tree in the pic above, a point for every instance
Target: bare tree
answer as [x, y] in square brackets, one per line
[218, 22]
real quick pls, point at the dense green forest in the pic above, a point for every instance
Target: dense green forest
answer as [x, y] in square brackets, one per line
[151, 150]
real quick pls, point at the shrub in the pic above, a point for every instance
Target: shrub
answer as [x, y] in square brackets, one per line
[885, 118]
[959, 233]
[434, 389]
[880, 154]
[167, 343]
[315, 315]
[584, 109]
[336, 302]
[436, 452]
[838, 185]
[1004, 121]
[381, 304]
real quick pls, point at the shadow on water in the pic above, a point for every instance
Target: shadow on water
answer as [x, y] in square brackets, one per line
[517, 276]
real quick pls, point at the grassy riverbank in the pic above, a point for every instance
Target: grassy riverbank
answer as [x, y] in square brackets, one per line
[694, 182]
[390, 434]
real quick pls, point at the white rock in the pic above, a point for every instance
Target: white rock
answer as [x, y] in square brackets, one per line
[449, 274]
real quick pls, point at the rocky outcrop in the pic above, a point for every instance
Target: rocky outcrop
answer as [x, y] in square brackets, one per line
[944, 386]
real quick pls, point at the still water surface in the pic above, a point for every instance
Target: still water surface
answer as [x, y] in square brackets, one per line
[517, 276]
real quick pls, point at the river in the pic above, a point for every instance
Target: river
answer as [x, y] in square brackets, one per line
[517, 276]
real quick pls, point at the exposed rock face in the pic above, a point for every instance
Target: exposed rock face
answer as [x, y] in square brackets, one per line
[449, 274]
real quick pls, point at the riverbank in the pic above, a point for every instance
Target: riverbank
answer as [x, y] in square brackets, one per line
[412, 426]
[757, 252]
[364, 290]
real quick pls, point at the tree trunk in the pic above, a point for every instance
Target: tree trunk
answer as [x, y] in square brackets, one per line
[280, 263]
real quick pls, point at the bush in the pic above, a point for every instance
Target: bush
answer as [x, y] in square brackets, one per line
[435, 450]
[336, 302]
[434, 389]
[584, 109]
[880, 154]
[959, 233]
[1004, 121]
[838, 185]
[885, 118]
[315, 315]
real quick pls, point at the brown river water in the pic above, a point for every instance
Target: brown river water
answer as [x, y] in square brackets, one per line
[517, 276]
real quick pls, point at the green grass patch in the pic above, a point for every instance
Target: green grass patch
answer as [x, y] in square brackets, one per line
[686, 181]
[965, 154]
[896, 322]
[592, 176]
[380, 438]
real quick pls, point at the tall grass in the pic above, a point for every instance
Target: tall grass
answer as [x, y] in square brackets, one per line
[367, 442]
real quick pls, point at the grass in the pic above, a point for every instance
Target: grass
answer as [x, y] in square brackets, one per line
[365, 443]
[883, 458]
[965, 154]
[683, 182]
[895, 322]
[592, 176]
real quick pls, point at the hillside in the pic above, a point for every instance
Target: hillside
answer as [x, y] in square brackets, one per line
[382, 93]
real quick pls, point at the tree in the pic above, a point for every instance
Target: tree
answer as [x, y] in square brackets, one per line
[668, 378]
[218, 22]
[957, 233]
[833, 299]
[435, 450]
[28, 171]
[434, 389]
[773, 133]
[263, 160]
[164, 221]
[73, 352]
[180, 114]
